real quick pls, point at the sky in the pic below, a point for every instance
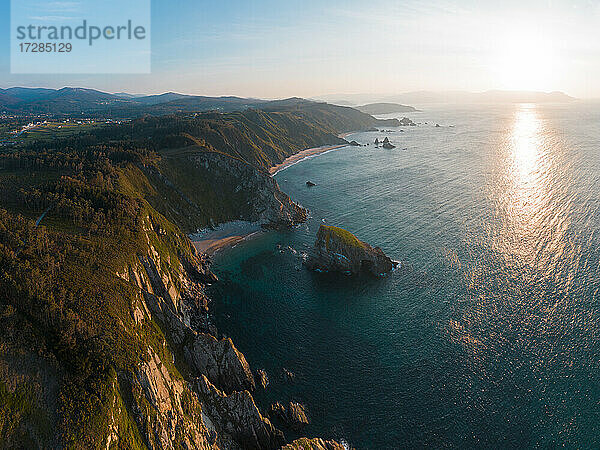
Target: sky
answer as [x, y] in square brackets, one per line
[282, 48]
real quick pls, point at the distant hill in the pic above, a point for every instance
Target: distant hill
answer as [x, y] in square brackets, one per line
[59, 101]
[421, 97]
[68, 101]
[160, 98]
[385, 108]
[493, 96]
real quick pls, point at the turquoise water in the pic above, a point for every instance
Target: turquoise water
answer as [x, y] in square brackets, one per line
[488, 335]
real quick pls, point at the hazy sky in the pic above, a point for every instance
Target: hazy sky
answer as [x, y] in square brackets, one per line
[278, 48]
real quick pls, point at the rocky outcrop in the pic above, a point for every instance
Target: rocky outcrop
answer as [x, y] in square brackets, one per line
[288, 375]
[220, 361]
[338, 250]
[406, 122]
[262, 378]
[166, 411]
[314, 444]
[293, 416]
[250, 193]
[238, 416]
[387, 144]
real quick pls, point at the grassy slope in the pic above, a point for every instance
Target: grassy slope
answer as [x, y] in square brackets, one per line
[60, 296]
[329, 233]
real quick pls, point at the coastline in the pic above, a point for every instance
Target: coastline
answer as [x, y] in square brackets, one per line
[213, 241]
[226, 235]
[304, 154]
[211, 246]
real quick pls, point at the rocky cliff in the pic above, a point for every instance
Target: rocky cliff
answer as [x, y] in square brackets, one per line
[338, 250]
[106, 340]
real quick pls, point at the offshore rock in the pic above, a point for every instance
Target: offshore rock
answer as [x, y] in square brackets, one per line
[387, 144]
[294, 416]
[288, 375]
[338, 250]
[262, 378]
[313, 444]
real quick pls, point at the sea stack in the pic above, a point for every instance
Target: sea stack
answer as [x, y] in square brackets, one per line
[387, 144]
[338, 250]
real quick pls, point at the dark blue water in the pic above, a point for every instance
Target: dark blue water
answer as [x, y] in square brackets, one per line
[489, 334]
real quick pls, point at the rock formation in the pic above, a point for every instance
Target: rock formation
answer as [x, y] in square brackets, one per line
[221, 362]
[338, 250]
[288, 375]
[406, 122]
[313, 444]
[262, 378]
[387, 144]
[239, 416]
[294, 415]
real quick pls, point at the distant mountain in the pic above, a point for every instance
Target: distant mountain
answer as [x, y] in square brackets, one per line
[350, 99]
[29, 94]
[190, 103]
[59, 101]
[6, 99]
[421, 97]
[493, 96]
[160, 98]
[128, 95]
[385, 108]
[67, 101]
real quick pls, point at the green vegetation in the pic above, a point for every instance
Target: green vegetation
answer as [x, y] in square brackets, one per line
[329, 233]
[110, 192]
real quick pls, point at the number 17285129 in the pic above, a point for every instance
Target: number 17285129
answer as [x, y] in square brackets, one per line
[45, 47]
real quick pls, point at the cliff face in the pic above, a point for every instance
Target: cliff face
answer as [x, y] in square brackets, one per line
[338, 250]
[172, 411]
[105, 336]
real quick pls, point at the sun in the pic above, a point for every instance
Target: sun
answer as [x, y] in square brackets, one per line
[525, 61]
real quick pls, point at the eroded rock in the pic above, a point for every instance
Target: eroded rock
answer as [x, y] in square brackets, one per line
[293, 416]
[313, 444]
[239, 416]
[338, 250]
[262, 378]
[221, 362]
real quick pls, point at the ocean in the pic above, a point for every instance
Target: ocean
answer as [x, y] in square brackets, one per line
[488, 335]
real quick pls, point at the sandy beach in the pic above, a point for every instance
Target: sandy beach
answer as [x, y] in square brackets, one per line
[211, 246]
[211, 242]
[226, 235]
[290, 161]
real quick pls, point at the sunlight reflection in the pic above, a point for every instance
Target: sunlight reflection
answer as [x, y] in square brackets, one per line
[525, 141]
[526, 170]
[525, 195]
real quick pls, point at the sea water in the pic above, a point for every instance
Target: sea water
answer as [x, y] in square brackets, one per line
[489, 333]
